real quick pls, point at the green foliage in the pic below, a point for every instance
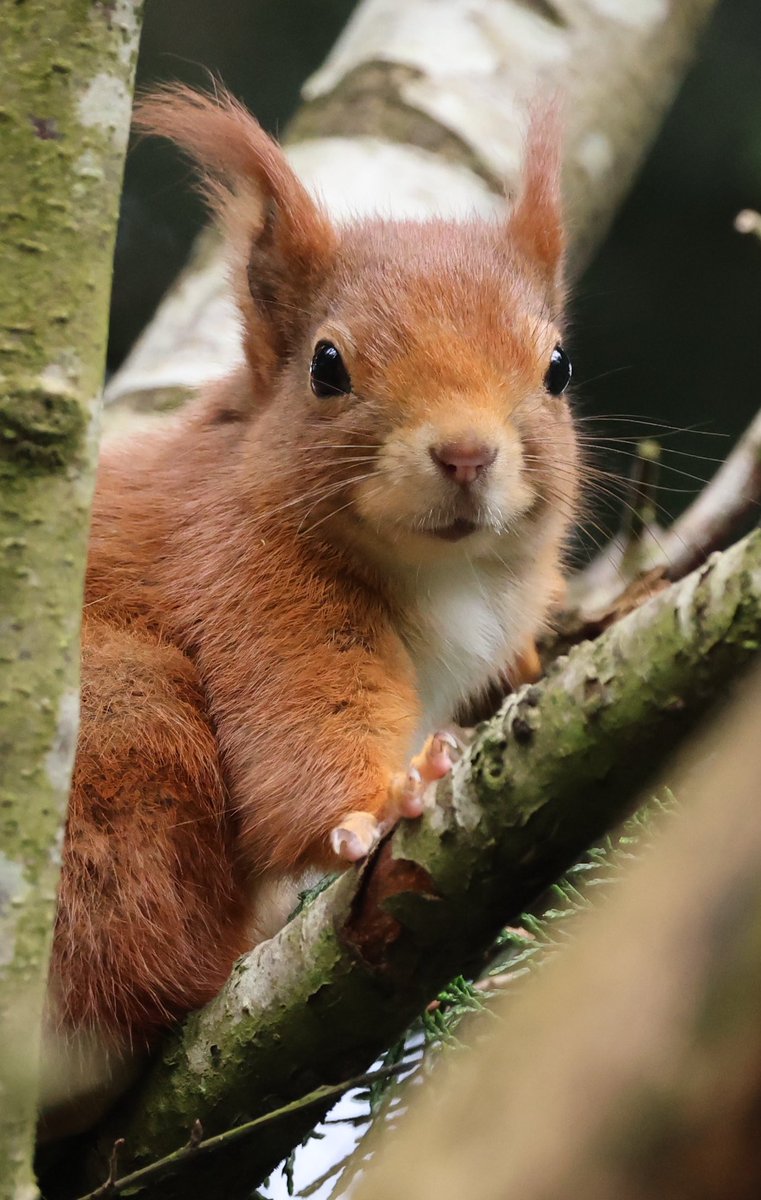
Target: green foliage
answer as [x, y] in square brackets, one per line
[521, 949]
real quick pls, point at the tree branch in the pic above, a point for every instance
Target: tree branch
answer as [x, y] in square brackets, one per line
[651, 1012]
[420, 109]
[557, 766]
[200, 1149]
[644, 556]
[723, 509]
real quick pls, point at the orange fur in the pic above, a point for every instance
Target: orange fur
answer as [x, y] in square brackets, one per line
[141, 938]
[272, 618]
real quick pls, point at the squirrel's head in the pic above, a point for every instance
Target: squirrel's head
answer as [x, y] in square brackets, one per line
[413, 370]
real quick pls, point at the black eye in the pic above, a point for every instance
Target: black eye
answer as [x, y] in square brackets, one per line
[559, 372]
[327, 374]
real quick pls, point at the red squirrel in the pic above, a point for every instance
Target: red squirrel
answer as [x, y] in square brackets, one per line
[300, 577]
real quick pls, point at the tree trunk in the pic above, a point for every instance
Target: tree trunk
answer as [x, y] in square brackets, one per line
[66, 96]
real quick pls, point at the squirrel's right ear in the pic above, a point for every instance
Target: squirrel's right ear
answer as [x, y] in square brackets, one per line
[282, 242]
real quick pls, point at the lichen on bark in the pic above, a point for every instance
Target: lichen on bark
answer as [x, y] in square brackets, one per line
[64, 116]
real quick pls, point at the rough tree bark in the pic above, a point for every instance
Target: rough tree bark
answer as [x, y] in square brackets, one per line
[64, 117]
[421, 109]
[652, 1012]
[558, 765]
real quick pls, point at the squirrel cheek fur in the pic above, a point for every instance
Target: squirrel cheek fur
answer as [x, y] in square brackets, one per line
[291, 585]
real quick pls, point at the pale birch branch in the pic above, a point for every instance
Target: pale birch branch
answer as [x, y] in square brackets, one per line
[727, 505]
[420, 109]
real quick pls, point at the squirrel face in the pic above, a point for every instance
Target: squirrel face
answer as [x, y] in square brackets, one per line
[412, 370]
[429, 390]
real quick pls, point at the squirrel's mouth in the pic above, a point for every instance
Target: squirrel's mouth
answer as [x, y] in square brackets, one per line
[461, 528]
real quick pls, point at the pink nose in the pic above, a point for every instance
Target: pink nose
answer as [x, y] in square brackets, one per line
[463, 461]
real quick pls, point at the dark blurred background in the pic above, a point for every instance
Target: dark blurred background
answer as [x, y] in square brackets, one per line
[666, 322]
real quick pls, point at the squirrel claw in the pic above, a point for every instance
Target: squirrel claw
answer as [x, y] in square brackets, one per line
[434, 761]
[409, 794]
[355, 837]
[358, 832]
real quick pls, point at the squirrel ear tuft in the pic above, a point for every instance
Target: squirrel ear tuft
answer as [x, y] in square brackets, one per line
[282, 243]
[535, 224]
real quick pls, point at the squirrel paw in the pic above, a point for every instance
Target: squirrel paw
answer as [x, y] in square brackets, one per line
[355, 837]
[434, 761]
[358, 832]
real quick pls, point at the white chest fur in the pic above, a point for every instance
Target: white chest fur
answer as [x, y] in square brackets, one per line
[466, 623]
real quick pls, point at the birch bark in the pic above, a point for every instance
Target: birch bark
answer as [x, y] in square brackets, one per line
[421, 109]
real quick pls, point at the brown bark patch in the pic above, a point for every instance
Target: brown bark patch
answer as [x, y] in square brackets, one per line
[371, 929]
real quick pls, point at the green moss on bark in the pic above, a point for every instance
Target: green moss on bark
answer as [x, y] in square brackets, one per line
[64, 117]
[41, 428]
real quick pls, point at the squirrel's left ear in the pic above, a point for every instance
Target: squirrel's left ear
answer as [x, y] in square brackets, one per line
[535, 224]
[281, 242]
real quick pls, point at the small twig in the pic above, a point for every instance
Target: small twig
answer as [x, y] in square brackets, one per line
[639, 516]
[109, 1188]
[197, 1146]
[720, 512]
[335, 1169]
[717, 516]
[196, 1135]
[631, 552]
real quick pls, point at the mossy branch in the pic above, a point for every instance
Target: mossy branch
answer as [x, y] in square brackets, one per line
[559, 764]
